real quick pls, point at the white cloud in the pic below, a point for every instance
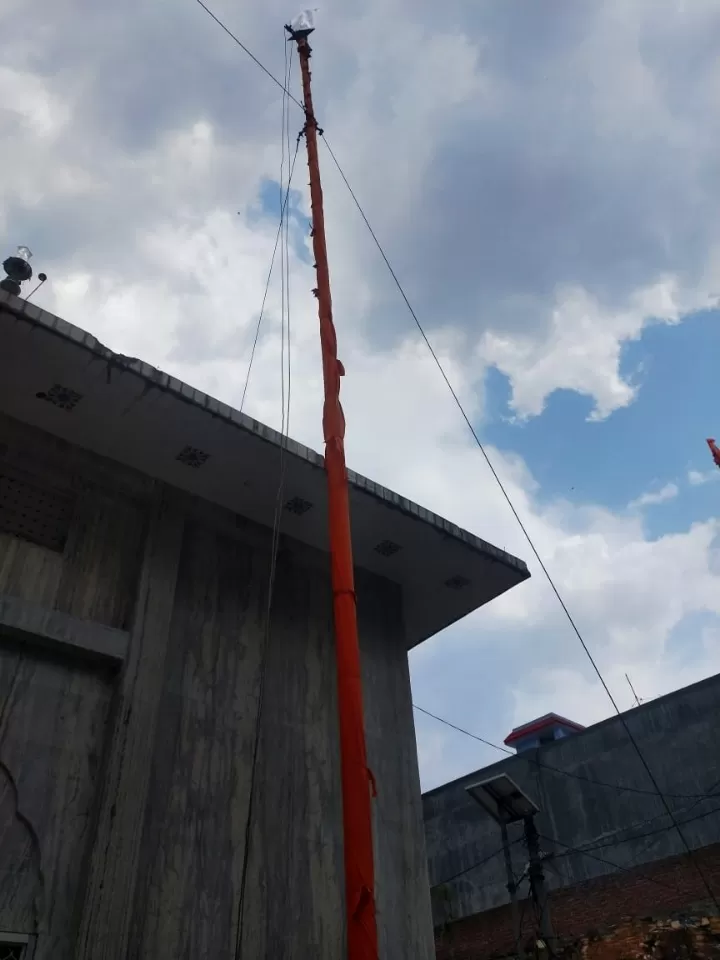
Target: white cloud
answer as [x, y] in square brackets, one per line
[697, 478]
[580, 349]
[581, 352]
[654, 497]
[542, 207]
[531, 219]
[626, 592]
[29, 102]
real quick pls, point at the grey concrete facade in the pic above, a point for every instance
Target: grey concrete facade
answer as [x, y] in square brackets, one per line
[135, 556]
[593, 792]
[129, 676]
[60, 379]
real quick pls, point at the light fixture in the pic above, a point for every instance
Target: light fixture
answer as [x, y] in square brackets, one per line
[503, 799]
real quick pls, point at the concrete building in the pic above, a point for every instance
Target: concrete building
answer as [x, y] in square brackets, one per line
[541, 731]
[135, 542]
[594, 796]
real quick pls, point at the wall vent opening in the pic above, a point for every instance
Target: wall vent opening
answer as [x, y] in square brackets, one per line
[33, 512]
[457, 582]
[298, 506]
[386, 548]
[192, 457]
[62, 397]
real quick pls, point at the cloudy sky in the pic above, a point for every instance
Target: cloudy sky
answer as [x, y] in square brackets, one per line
[545, 178]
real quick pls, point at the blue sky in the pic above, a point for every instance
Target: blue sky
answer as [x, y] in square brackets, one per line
[657, 440]
[544, 180]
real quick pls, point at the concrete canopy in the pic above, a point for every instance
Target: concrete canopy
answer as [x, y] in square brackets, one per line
[60, 379]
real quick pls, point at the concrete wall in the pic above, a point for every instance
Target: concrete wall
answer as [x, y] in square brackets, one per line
[129, 665]
[679, 736]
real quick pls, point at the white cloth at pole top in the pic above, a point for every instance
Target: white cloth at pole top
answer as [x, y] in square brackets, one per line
[304, 21]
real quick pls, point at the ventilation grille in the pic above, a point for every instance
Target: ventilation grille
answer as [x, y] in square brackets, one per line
[192, 457]
[34, 513]
[298, 506]
[457, 583]
[386, 548]
[60, 396]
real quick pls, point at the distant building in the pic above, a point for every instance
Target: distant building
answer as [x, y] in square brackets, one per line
[136, 523]
[595, 796]
[539, 732]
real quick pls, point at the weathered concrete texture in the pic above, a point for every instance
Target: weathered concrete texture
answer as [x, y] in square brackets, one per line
[680, 738]
[403, 896]
[124, 794]
[52, 722]
[95, 577]
[113, 858]
[201, 770]
[137, 415]
[33, 625]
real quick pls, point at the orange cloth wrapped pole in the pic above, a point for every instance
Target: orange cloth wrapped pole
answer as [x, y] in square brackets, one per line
[357, 781]
[714, 451]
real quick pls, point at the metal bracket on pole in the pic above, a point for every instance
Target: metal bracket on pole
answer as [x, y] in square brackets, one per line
[537, 883]
[301, 27]
[512, 889]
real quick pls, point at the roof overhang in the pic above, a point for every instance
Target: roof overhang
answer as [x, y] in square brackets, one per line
[143, 418]
[535, 726]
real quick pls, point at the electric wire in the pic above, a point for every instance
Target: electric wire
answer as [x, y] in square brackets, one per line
[524, 529]
[473, 866]
[481, 446]
[275, 542]
[608, 842]
[261, 315]
[537, 918]
[569, 773]
[517, 934]
[608, 839]
[481, 863]
[283, 245]
[586, 849]
[605, 842]
[687, 809]
[285, 203]
[521, 921]
[570, 849]
[252, 56]
[611, 863]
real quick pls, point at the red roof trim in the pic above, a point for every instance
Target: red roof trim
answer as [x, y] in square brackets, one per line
[534, 726]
